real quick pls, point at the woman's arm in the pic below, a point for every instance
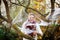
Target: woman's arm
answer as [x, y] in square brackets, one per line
[24, 27]
[26, 30]
[38, 29]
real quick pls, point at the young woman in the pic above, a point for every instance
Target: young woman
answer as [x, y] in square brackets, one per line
[31, 27]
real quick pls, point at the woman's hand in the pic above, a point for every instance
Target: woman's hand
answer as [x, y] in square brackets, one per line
[34, 33]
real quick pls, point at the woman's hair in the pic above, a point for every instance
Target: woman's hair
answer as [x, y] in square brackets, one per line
[31, 14]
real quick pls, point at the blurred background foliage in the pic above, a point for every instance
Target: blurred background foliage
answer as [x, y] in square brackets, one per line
[14, 12]
[6, 34]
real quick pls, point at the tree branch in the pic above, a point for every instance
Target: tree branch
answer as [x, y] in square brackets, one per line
[17, 29]
[3, 18]
[31, 9]
[7, 11]
[0, 2]
[14, 26]
[58, 4]
[52, 6]
[41, 15]
[20, 33]
[27, 6]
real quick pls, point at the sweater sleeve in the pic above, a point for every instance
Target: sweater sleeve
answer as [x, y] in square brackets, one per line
[38, 29]
[24, 30]
[23, 27]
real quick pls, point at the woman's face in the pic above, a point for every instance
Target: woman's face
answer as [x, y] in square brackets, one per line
[32, 18]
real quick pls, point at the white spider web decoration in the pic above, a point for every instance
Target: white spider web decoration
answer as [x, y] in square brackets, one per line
[18, 18]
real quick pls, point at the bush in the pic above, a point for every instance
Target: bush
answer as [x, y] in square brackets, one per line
[7, 35]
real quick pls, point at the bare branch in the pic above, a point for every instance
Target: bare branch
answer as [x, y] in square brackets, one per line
[28, 8]
[0, 2]
[20, 33]
[58, 4]
[41, 15]
[7, 10]
[52, 6]
[3, 18]
[9, 21]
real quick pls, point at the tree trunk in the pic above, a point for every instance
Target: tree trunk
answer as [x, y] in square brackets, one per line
[52, 6]
[13, 25]
[7, 10]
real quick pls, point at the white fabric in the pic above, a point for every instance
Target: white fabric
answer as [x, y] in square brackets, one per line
[27, 31]
[39, 29]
